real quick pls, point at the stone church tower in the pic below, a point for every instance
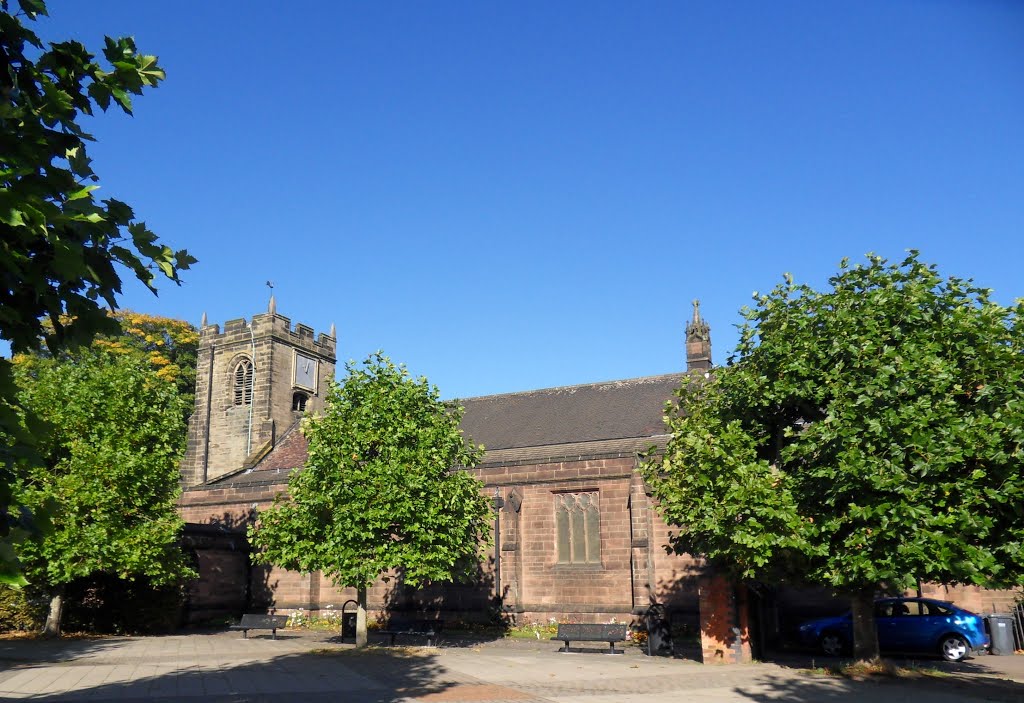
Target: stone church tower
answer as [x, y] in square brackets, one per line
[253, 382]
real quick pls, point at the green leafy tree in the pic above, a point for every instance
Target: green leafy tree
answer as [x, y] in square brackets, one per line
[861, 438]
[171, 346]
[61, 247]
[382, 490]
[109, 472]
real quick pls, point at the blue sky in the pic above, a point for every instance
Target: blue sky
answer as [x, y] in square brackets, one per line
[508, 196]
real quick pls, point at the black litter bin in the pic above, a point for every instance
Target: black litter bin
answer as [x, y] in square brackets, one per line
[348, 625]
[659, 634]
[1000, 629]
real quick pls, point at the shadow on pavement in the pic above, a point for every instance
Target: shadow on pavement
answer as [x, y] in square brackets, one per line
[51, 651]
[784, 688]
[217, 667]
[67, 648]
[810, 689]
[373, 676]
[981, 677]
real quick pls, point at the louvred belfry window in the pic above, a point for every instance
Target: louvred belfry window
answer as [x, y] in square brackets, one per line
[243, 382]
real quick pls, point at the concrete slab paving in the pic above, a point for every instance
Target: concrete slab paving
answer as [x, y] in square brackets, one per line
[221, 667]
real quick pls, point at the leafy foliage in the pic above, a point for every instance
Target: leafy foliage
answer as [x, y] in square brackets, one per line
[382, 488]
[110, 465]
[61, 244]
[100, 603]
[20, 609]
[60, 247]
[106, 603]
[171, 347]
[865, 436]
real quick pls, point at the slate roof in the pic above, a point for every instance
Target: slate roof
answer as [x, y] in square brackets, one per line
[593, 412]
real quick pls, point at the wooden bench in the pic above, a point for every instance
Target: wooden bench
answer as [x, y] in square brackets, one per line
[574, 632]
[252, 621]
[431, 629]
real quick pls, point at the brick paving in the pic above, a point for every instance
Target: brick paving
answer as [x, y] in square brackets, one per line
[221, 667]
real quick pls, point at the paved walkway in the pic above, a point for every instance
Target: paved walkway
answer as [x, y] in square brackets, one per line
[221, 667]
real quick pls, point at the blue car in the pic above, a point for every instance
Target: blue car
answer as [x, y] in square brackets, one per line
[905, 625]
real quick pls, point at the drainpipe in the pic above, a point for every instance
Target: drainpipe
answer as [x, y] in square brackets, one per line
[252, 389]
[499, 502]
[209, 411]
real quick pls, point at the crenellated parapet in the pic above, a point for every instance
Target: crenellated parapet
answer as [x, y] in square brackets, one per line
[272, 325]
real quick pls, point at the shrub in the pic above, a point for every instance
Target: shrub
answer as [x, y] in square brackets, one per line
[20, 609]
[111, 605]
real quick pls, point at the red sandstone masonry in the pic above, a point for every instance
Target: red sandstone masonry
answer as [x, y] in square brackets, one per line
[547, 583]
[979, 600]
[635, 569]
[579, 592]
[722, 613]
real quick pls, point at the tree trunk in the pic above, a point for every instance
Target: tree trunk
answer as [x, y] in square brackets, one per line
[56, 614]
[865, 633]
[361, 616]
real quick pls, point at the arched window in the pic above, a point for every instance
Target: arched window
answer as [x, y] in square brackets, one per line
[243, 382]
[577, 528]
[299, 402]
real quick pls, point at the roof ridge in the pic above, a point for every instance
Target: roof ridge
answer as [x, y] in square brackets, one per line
[555, 445]
[646, 379]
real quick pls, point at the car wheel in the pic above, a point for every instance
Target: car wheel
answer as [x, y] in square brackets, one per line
[831, 644]
[954, 648]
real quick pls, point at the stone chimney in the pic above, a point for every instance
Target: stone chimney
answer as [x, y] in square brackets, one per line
[698, 342]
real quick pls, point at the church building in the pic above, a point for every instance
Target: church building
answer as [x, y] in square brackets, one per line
[577, 537]
[576, 534]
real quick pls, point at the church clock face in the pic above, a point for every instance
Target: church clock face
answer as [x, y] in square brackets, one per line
[305, 371]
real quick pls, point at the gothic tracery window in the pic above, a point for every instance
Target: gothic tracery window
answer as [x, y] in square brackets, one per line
[578, 528]
[243, 382]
